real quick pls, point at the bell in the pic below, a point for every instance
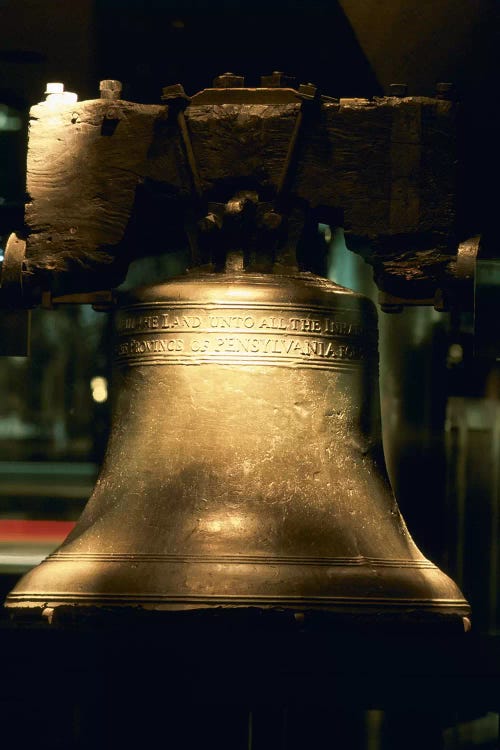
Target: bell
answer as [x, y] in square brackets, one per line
[242, 467]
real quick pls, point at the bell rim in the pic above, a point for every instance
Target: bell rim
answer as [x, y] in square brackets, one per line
[346, 604]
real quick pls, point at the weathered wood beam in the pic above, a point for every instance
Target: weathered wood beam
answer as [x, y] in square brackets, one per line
[387, 165]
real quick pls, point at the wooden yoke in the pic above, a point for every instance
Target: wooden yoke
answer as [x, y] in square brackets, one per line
[109, 180]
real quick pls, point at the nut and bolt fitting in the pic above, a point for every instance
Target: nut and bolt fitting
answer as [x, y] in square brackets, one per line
[55, 93]
[229, 81]
[308, 91]
[272, 220]
[110, 89]
[174, 92]
[210, 222]
[54, 88]
[278, 80]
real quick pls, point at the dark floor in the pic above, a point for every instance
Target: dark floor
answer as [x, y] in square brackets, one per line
[250, 681]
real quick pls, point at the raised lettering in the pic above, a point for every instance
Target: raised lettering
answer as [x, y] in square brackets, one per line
[310, 339]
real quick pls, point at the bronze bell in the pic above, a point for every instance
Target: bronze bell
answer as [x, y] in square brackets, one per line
[242, 466]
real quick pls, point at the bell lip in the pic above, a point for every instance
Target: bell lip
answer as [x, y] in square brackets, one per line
[248, 618]
[308, 289]
[438, 594]
[346, 604]
[222, 620]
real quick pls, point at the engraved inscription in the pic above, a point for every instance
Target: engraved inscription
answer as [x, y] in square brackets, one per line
[164, 321]
[213, 322]
[205, 335]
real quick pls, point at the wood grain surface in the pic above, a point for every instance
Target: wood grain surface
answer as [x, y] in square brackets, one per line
[386, 165]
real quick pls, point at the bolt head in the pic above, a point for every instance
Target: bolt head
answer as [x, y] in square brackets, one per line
[54, 88]
[110, 89]
[308, 90]
[330, 99]
[112, 114]
[272, 220]
[176, 91]
[398, 89]
[209, 223]
[278, 80]
[229, 81]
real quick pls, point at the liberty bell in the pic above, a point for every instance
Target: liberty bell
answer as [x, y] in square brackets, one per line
[240, 470]
[244, 468]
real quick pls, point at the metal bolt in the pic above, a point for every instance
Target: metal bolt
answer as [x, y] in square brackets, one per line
[54, 88]
[110, 89]
[56, 94]
[48, 613]
[329, 99]
[272, 220]
[176, 91]
[236, 205]
[308, 90]
[112, 115]
[278, 80]
[210, 222]
[229, 81]
[445, 90]
[398, 89]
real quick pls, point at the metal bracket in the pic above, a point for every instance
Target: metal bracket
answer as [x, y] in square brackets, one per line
[101, 301]
[15, 320]
[11, 280]
[308, 93]
[177, 101]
